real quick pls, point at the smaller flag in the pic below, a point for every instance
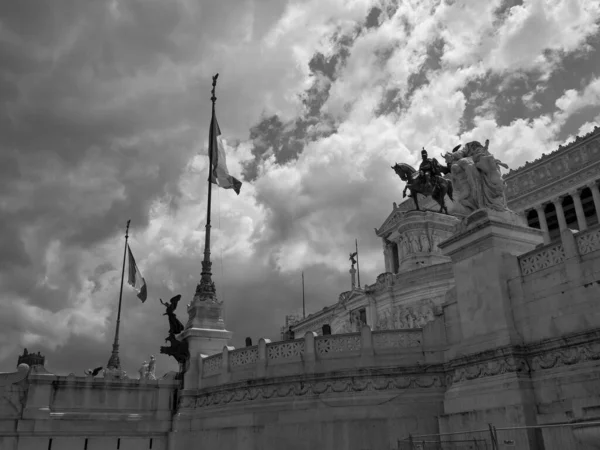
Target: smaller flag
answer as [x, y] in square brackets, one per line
[219, 173]
[135, 278]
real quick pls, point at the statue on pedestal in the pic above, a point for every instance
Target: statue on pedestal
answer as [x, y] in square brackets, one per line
[143, 370]
[147, 370]
[178, 349]
[175, 326]
[428, 181]
[476, 177]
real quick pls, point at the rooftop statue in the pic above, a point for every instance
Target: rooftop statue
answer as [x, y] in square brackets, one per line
[428, 181]
[175, 326]
[178, 349]
[476, 177]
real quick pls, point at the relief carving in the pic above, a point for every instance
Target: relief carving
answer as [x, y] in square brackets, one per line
[510, 364]
[313, 387]
[400, 317]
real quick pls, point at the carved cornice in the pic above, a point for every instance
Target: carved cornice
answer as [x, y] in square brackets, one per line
[311, 388]
[567, 357]
[561, 151]
[543, 192]
[487, 364]
[528, 360]
[394, 218]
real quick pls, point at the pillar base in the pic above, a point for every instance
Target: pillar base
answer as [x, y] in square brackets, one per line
[483, 252]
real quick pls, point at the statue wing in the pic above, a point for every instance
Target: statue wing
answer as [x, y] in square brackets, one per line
[455, 149]
[175, 300]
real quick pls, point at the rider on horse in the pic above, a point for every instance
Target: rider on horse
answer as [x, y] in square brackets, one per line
[429, 171]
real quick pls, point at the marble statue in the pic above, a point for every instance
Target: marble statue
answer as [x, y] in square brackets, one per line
[151, 370]
[143, 370]
[476, 178]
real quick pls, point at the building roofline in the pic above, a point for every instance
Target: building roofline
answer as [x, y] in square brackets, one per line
[529, 165]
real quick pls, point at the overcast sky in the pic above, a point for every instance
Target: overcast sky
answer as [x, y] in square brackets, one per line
[105, 110]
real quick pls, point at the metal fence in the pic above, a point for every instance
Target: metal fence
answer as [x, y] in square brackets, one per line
[463, 440]
[504, 438]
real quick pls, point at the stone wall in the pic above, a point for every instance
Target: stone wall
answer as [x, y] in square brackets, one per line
[351, 391]
[558, 289]
[43, 411]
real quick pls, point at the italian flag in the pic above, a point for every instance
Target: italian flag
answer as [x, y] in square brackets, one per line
[219, 173]
[135, 277]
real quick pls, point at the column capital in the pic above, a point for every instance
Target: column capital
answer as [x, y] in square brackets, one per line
[558, 199]
[574, 192]
[540, 207]
[592, 184]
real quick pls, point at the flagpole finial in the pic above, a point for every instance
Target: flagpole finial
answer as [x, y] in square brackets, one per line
[127, 229]
[214, 85]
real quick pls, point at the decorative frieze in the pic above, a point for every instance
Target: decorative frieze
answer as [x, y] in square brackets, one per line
[390, 339]
[510, 364]
[540, 194]
[309, 388]
[415, 315]
[577, 354]
[534, 358]
[566, 160]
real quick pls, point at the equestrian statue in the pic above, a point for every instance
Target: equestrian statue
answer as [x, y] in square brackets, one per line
[428, 181]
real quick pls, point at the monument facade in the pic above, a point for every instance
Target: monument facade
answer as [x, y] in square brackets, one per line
[483, 328]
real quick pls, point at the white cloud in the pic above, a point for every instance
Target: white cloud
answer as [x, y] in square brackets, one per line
[538, 25]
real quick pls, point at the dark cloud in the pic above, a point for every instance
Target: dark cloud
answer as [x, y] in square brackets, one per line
[373, 17]
[396, 100]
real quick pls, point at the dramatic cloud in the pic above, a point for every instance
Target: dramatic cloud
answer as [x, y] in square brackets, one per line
[105, 107]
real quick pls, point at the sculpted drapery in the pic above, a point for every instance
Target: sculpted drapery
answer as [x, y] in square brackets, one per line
[476, 178]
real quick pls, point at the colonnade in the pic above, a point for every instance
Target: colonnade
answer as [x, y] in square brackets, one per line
[557, 202]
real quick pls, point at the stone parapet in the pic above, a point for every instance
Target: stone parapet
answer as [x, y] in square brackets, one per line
[320, 354]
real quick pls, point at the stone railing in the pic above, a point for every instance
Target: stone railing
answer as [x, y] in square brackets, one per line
[570, 245]
[588, 241]
[321, 353]
[542, 258]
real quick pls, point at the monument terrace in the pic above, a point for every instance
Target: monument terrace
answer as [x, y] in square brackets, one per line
[482, 331]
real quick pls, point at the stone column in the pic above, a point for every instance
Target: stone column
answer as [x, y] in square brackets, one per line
[560, 213]
[386, 256]
[543, 223]
[353, 276]
[596, 195]
[576, 196]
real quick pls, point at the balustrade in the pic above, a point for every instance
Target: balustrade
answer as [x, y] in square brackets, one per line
[555, 253]
[311, 349]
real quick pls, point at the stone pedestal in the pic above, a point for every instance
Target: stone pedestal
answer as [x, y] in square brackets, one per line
[483, 252]
[205, 334]
[489, 380]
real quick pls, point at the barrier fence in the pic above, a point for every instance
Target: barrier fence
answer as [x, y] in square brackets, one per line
[503, 438]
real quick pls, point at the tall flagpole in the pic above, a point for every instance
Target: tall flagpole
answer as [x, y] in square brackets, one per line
[114, 362]
[206, 288]
[357, 266]
[303, 304]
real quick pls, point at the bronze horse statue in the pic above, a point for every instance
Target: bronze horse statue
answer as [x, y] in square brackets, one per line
[436, 190]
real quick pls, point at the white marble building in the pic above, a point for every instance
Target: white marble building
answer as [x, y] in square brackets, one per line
[483, 328]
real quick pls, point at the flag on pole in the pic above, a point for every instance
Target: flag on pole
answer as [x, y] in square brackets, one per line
[220, 175]
[135, 278]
